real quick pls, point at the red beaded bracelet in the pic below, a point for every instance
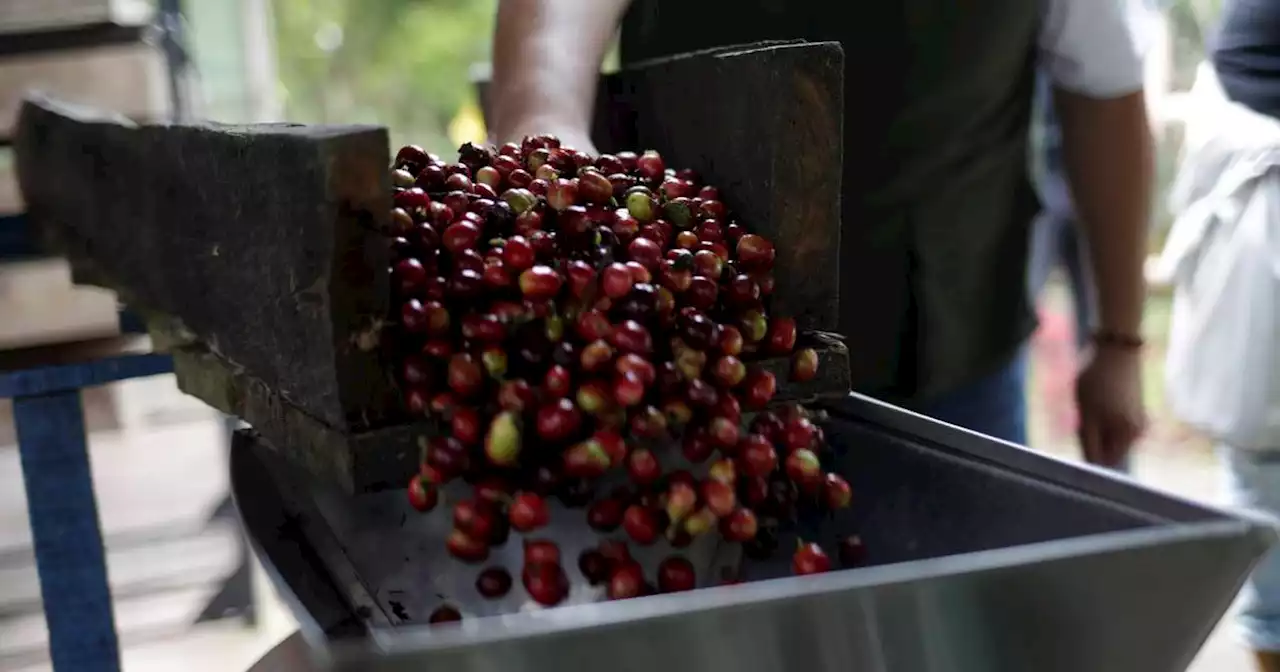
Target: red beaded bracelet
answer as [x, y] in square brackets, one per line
[1115, 339]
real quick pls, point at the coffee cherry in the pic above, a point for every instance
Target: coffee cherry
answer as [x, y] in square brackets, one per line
[626, 581]
[853, 552]
[740, 525]
[640, 524]
[675, 574]
[467, 548]
[546, 583]
[594, 566]
[444, 614]
[493, 583]
[804, 365]
[422, 496]
[836, 492]
[810, 559]
[528, 512]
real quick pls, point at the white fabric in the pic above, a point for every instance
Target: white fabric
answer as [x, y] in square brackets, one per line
[1223, 256]
[1093, 47]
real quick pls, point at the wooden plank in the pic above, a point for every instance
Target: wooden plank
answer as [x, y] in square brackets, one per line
[85, 352]
[153, 480]
[204, 556]
[37, 379]
[72, 37]
[41, 306]
[356, 462]
[139, 619]
[127, 79]
[259, 238]
[45, 15]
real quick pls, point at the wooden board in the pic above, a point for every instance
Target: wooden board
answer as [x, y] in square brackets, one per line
[39, 306]
[355, 461]
[29, 15]
[127, 79]
[261, 240]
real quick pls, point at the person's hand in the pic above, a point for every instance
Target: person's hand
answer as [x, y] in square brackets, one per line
[570, 134]
[1109, 395]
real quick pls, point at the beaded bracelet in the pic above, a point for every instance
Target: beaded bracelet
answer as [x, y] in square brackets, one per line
[1116, 339]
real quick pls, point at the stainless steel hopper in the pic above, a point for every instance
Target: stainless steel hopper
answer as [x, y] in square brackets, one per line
[983, 557]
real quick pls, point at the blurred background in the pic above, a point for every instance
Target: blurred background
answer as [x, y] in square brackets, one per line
[187, 594]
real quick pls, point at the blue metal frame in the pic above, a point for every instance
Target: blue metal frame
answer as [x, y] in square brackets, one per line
[61, 505]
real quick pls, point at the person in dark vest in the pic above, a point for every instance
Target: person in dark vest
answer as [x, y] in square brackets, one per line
[936, 197]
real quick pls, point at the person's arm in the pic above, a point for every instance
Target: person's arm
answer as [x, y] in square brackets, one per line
[1091, 56]
[1107, 150]
[546, 64]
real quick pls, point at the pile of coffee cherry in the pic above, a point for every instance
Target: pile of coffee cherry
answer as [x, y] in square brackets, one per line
[595, 329]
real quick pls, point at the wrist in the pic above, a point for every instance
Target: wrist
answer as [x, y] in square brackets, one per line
[570, 134]
[1118, 340]
[527, 110]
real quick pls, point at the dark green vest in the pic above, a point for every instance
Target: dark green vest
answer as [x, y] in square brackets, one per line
[937, 201]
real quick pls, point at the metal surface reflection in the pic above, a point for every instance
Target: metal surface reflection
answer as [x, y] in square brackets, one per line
[982, 557]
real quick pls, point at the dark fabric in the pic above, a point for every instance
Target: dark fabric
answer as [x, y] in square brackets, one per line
[995, 405]
[1246, 54]
[937, 200]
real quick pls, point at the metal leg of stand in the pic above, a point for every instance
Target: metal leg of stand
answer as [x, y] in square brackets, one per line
[67, 537]
[236, 597]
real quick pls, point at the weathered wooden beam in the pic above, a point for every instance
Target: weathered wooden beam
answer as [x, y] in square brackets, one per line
[355, 461]
[260, 239]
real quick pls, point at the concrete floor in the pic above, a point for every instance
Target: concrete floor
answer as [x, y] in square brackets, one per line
[159, 466]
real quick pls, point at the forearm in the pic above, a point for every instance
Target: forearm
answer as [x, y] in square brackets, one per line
[546, 63]
[1108, 153]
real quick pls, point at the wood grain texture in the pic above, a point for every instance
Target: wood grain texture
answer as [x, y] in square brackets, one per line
[766, 127]
[259, 239]
[355, 461]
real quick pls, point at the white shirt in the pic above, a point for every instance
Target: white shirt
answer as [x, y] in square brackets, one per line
[1092, 47]
[1223, 256]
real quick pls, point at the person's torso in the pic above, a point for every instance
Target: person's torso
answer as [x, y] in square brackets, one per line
[1246, 54]
[936, 201]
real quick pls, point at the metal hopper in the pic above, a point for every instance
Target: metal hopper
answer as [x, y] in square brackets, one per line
[982, 557]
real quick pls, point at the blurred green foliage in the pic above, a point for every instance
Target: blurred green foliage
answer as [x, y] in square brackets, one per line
[405, 64]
